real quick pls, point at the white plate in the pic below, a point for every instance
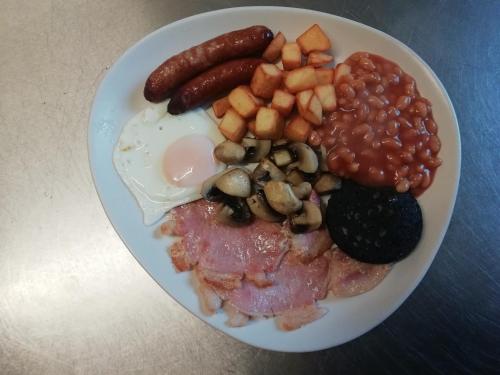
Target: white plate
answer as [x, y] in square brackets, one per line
[119, 97]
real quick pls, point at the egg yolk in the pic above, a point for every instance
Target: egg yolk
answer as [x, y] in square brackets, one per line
[189, 161]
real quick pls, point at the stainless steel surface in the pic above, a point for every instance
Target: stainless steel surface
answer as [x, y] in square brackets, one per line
[74, 300]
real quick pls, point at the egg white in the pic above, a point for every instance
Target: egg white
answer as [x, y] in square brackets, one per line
[138, 157]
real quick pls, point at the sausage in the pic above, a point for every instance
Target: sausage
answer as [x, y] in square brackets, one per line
[212, 83]
[189, 63]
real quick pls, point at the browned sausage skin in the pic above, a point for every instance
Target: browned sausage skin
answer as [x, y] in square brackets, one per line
[212, 83]
[187, 64]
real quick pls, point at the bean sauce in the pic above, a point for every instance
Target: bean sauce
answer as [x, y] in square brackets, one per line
[383, 132]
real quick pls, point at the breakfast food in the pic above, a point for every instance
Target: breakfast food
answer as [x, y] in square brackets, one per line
[223, 250]
[150, 158]
[349, 277]
[383, 132]
[212, 83]
[309, 188]
[179, 68]
[374, 225]
[273, 50]
[262, 269]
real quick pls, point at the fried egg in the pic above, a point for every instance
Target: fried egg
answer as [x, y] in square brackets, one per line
[164, 159]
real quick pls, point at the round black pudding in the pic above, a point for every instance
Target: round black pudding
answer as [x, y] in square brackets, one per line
[374, 225]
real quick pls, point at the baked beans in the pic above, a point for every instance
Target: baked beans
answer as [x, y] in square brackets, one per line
[382, 132]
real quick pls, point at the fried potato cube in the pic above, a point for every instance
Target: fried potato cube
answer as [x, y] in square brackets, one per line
[300, 79]
[291, 56]
[310, 107]
[297, 130]
[303, 100]
[243, 101]
[315, 111]
[266, 79]
[233, 126]
[327, 97]
[268, 124]
[273, 50]
[341, 70]
[324, 75]
[317, 59]
[313, 39]
[220, 106]
[283, 102]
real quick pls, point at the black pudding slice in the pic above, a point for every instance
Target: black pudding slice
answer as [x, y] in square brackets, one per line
[374, 225]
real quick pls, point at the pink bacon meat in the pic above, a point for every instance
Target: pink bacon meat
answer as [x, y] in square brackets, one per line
[349, 278]
[294, 285]
[224, 254]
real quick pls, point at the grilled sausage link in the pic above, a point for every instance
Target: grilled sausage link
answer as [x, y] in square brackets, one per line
[212, 83]
[189, 63]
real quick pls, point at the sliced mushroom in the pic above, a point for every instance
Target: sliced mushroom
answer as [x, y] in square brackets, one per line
[321, 153]
[303, 190]
[307, 220]
[295, 177]
[281, 157]
[235, 183]
[261, 209]
[208, 189]
[234, 212]
[281, 197]
[326, 183]
[267, 171]
[229, 152]
[280, 143]
[307, 161]
[256, 149]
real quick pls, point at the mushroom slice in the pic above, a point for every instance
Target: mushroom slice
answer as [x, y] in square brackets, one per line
[229, 152]
[295, 177]
[208, 189]
[303, 190]
[321, 153]
[307, 220]
[326, 183]
[234, 212]
[280, 143]
[261, 209]
[281, 197]
[256, 149]
[307, 161]
[281, 157]
[267, 171]
[235, 183]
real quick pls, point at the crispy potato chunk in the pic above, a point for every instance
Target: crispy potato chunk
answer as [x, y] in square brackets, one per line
[313, 39]
[243, 101]
[233, 126]
[341, 70]
[324, 75]
[266, 79]
[327, 97]
[318, 59]
[297, 130]
[310, 107]
[268, 124]
[273, 50]
[300, 79]
[303, 100]
[220, 106]
[291, 56]
[283, 102]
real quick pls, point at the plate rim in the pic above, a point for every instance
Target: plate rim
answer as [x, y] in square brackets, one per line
[454, 191]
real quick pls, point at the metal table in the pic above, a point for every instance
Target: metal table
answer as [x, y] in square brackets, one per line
[74, 300]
